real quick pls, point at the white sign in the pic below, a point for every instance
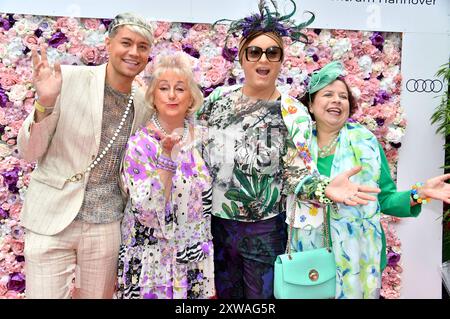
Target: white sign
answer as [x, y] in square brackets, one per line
[372, 15]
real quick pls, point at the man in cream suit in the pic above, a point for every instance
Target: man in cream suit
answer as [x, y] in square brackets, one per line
[77, 133]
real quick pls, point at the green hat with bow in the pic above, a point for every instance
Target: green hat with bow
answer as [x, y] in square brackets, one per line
[326, 75]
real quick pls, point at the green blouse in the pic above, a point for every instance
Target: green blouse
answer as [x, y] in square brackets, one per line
[391, 201]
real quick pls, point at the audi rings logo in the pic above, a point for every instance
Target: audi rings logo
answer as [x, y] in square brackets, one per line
[424, 86]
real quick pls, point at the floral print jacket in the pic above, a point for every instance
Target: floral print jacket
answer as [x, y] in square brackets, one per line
[257, 153]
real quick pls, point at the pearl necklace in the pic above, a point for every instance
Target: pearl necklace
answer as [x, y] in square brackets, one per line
[77, 177]
[326, 150]
[159, 127]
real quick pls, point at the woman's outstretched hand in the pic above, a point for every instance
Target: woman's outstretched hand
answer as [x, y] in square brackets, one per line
[436, 188]
[342, 190]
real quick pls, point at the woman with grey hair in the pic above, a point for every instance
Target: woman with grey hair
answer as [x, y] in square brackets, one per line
[167, 247]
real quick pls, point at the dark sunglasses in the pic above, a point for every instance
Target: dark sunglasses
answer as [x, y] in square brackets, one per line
[254, 53]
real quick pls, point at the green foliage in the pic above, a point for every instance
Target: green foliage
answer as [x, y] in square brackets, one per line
[441, 117]
[255, 194]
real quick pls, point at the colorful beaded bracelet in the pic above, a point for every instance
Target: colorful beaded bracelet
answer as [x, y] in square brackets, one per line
[415, 194]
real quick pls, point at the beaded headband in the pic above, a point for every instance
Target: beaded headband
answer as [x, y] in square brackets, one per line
[141, 25]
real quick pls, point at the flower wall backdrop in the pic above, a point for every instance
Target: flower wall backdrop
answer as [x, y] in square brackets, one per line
[372, 60]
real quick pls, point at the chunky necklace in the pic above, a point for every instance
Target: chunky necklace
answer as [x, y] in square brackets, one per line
[77, 177]
[159, 127]
[326, 150]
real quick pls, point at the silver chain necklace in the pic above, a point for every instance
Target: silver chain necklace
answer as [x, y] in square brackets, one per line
[78, 176]
[159, 127]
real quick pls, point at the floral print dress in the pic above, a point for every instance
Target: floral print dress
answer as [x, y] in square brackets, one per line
[166, 249]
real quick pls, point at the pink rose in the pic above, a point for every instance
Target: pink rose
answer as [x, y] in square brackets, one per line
[214, 77]
[292, 62]
[3, 288]
[161, 28]
[218, 62]
[339, 33]
[17, 247]
[8, 78]
[14, 212]
[92, 24]
[31, 41]
[352, 67]
[201, 27]
[90, 55]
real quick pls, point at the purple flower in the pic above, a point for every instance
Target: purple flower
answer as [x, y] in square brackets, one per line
[380, 121]
[20, 258]
[148, 147]
[231, 81]
[4, 24]
[351, 120]
[189, 49]
[289, 80]
[395, 145]
[136, 170]
[150, 295]
[229, 54]
[382, 97]
[3, 213]
[38, 32]
[106, 22]
[377, 40]
[186, 169]
[187, 25]
[393, 258]
[16, 282]
[17, 232]
[10, 179]
[2, 129]
[3, 98]
[57, 39]
[206, 248]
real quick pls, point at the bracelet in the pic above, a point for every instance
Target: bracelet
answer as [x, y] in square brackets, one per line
[415, 194]
[320, 191]
[40, 108]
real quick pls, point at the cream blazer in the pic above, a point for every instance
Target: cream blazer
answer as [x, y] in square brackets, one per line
[63, 144]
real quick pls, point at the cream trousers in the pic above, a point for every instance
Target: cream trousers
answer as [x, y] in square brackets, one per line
[79, 262]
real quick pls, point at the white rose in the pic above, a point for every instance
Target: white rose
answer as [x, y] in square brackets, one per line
[324, 37]
[395, 134]
[296, 48]
[356, 92]
[237, 71]
[341, 46]
[23, 26]
[17, 93]
[93, 38]
[15, 49]
[386, 84]
[371, 124]
[365, 63]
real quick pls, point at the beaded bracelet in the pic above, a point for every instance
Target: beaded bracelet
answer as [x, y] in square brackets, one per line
[320, 191]
[415, 194]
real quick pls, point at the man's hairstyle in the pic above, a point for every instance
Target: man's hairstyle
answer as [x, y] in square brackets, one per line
[134, 23]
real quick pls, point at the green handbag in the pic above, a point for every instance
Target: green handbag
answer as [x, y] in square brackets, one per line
[309, 274]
